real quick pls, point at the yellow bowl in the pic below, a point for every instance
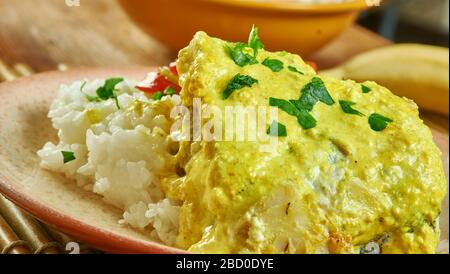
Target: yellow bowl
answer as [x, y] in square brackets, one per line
[283, 25]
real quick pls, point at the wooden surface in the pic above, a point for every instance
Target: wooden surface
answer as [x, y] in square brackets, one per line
[99, 33]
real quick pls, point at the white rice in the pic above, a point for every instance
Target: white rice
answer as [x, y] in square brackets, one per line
[119, 153]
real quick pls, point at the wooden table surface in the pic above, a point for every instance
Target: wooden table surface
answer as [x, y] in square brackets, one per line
[98, 33]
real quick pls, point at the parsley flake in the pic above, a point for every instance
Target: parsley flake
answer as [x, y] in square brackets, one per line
[254, 42]
[88, 97]
[314, 92]
[284, 105]
[304, 118]
[365, 89]
[346, 107]
[167, 92]
[158, 96]
[238, 82]
[170, 91]
[105, 92]
[68, 156]
[274, 64]
[379, 122]
[277, 129]
[294, 69]
[239, 56]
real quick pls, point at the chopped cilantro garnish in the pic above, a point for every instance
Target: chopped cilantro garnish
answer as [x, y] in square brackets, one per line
[88, 97]
[306, 102]
[277, 129]
[238, 82]
[167, 92]
[306, 120]
[284, 105]
[92, 98]
[378, 122]
[346, 106]
[239, 56]
[68, 156]
[105, 92]
[274, 64]
[365, 89]
[314, 92]
[170, 91]
[158, 96]
[294, 69]
[254, 42]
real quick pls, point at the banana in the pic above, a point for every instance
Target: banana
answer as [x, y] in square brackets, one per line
[418, 72]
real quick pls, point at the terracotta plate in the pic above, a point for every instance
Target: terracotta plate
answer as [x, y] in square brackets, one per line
[57, 201]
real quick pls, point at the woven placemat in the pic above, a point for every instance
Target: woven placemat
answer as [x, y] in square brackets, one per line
[20, 233]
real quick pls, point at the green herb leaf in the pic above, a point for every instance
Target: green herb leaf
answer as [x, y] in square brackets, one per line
[158, 96]
[378, 122]
[238, 82]
[346, 106]
[254, 42]
[365, 89]
[92, 98]
[83, 85]
[239, 56]
[307, 102]
[306, 120]
[277, 129]
[117, 102]
[314, 92]
[107, 90]
[274, 64]
[284, 105]
[294, 69]
[88, 97]
[68, 156]
[170, 91]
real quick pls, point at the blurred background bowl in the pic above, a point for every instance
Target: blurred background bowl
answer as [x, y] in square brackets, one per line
[283, 25]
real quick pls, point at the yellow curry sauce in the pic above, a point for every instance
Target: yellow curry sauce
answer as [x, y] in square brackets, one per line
[329, 189]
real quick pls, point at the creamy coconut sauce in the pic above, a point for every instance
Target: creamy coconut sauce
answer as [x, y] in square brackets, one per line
[332, 188]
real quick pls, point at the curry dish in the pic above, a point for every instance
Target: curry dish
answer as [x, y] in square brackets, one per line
[354, 168]
[332, 188]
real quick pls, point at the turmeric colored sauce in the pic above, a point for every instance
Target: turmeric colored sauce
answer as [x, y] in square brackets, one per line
[330, 189]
